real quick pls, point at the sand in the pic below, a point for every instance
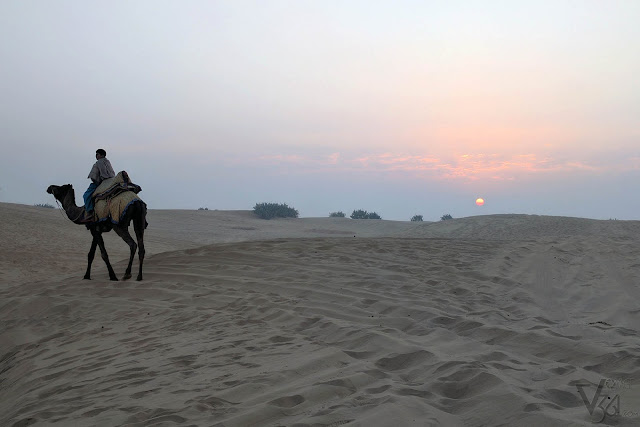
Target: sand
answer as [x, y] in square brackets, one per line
[488, 320]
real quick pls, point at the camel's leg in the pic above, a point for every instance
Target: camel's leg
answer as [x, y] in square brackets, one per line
[124, 233]
[105, 257]
[92, 253]
[139, 225]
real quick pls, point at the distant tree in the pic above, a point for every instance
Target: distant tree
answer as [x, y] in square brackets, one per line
[338, 214]
[445, 217]
[43, 205]
[416, 218]
[359, 214]
[274, 210]
[362, 214]
[203, 209]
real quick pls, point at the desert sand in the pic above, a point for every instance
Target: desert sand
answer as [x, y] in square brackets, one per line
[479, 321]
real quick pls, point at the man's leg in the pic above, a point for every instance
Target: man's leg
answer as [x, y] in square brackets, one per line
[88, 200]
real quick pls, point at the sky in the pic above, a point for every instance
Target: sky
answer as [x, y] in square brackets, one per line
[398, 107]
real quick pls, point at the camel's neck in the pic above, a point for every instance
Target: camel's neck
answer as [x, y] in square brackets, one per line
[74, 213]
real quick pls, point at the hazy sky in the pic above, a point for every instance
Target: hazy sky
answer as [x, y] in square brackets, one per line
[398, 107]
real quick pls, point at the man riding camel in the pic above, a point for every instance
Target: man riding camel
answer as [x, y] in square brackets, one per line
[100, 171]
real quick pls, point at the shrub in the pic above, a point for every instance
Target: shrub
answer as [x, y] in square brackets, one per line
[203, 209]
[338, 214]
[274, 210]
[361, 214]
[416, 218]
[445, 217]
[43, 205]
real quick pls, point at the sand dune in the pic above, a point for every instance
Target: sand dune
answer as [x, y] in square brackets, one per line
[489, 320]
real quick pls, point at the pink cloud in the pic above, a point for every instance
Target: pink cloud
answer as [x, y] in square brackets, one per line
[286, 158]
[467, 166]
[333, 158]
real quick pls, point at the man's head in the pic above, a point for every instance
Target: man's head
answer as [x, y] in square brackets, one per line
[100, 153]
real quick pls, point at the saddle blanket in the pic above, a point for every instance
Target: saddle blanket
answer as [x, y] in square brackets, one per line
[114, 208]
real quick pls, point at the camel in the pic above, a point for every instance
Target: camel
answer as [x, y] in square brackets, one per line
[136, 212]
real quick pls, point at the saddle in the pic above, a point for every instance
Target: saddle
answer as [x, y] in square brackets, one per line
[112, 198]
[111, 187]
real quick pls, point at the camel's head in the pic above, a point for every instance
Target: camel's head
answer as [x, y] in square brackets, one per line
[59, 191]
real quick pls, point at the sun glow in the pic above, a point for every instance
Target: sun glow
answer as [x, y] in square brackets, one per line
[479, 201]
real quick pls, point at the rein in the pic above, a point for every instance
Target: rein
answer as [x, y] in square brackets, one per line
[61, 209]
[65, 212]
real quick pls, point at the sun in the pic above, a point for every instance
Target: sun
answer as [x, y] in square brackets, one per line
[479, 201]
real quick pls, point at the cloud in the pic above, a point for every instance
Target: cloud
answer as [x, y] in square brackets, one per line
[284, 158]
[463, 167]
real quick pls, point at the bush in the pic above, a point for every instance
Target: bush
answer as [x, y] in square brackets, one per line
[43, 205]
[445, 217]
[416, 218]
[360, 214]
[274, 210]
[338, 214]
[203, 209]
